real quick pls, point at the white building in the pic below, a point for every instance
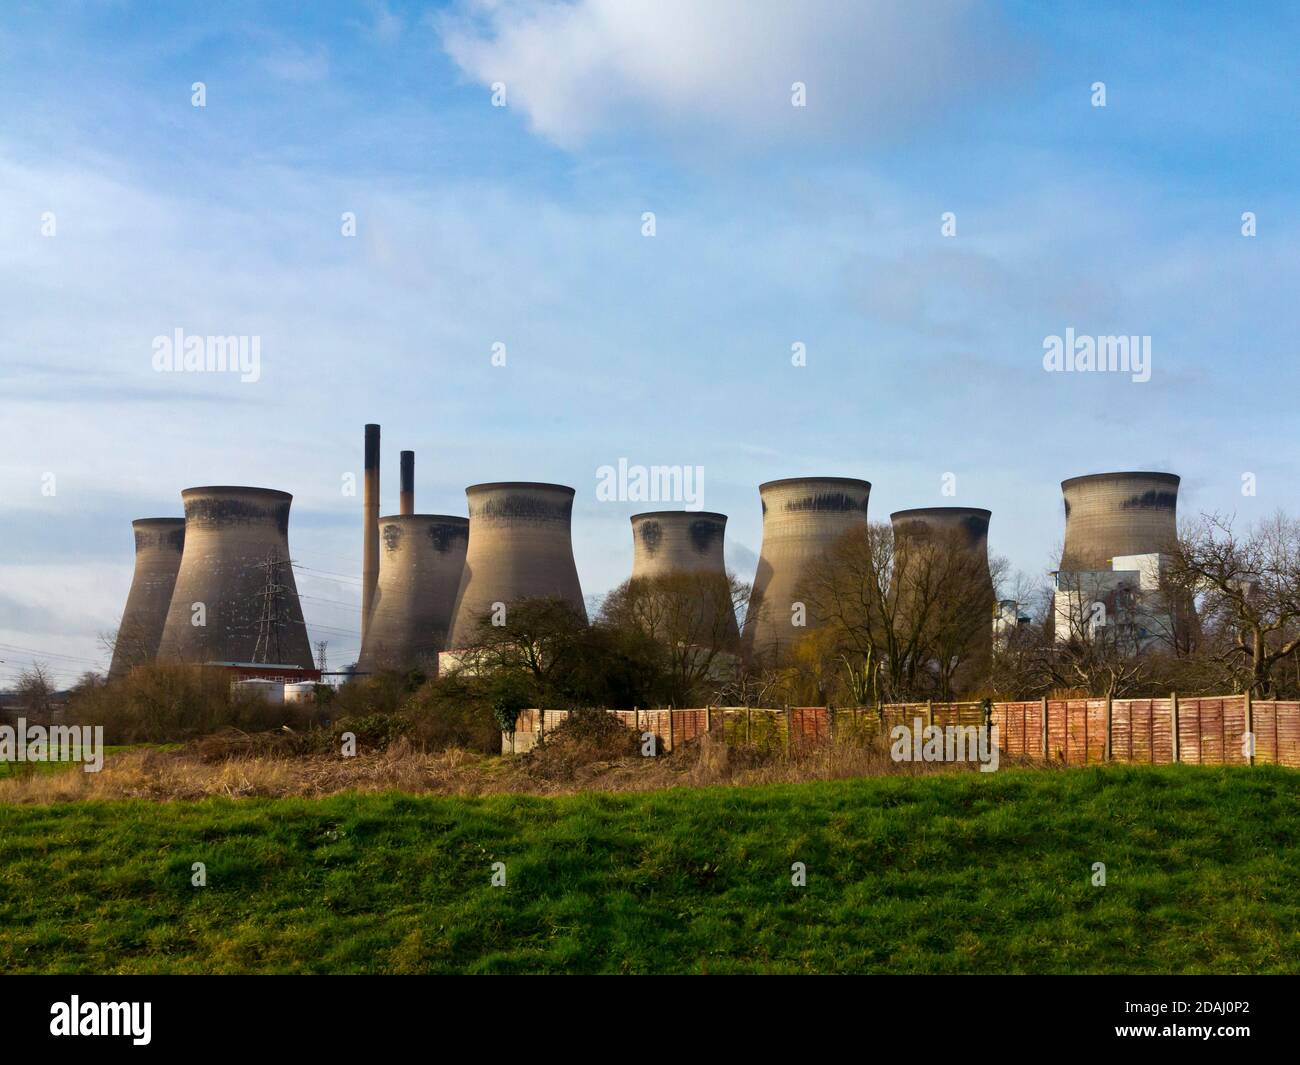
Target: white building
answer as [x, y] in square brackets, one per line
[1122, 605]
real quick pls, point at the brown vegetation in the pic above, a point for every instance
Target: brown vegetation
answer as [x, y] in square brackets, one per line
[594, 753]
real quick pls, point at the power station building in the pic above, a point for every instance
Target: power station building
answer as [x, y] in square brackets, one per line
[520, 547]
[159, 543]
[235, 598]
[1119, 530]
[802, 518]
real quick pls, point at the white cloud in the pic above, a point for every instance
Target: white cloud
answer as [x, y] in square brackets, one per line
[726, 66]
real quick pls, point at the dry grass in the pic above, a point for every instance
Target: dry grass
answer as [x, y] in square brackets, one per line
[237, 765]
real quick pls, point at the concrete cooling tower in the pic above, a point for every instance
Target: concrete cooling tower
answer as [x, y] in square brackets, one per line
[158, 546]
[236, 563]
[520, 547]
[675, 541]
[964, 528]
[802, 518]
[420, 563]
[1113, 514]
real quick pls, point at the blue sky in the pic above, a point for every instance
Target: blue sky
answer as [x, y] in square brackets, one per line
[522, 225]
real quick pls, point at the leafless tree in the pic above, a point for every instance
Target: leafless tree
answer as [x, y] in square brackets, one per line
[916, 615]
[691, 617]
[36, 690]
[1246, 591]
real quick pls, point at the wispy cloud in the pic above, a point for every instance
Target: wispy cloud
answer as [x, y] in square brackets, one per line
[729, 66]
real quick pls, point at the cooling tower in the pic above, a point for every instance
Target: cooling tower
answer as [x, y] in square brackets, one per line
[965, 526]
[520, 547]
[234, 538]
[420, 563]
[668, 542]
[967, 614]
[1112, 514]
[802, 518]
[158, 545]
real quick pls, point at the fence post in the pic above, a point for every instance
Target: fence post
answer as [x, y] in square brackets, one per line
[1250, 729]
[830, 721]
[708, 719]
[670, 728]
[788, 736]
[929, 713]
[1173, 718]
[749, 710]
[1109, 719]
[1044, 729]
[541, 725]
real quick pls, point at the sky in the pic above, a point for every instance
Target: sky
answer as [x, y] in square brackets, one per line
[127, 212]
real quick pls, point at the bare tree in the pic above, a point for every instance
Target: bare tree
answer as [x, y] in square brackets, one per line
[1246, 590]
[36, 689]
[915, 615]
[691, 617]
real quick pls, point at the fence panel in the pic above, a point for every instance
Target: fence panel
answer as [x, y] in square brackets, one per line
[1020, 727]
[1211, 730]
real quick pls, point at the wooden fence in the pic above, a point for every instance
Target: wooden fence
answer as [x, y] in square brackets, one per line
[1199, 731]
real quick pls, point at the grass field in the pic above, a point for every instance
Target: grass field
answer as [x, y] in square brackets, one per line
[17, 769]
[944, 873]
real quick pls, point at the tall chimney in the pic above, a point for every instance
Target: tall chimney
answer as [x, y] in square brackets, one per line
[370, 537]
[406, 502]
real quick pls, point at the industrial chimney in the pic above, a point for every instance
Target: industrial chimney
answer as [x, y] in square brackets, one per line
[370, 528]
[666, 542]
[520, 546]
[406, 497]
[1112, 514]
[802, 518]
[236, 577]
[420, 566]
[158, 545]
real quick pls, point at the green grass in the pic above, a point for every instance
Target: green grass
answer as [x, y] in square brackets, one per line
[15, 769]
[956, 873]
